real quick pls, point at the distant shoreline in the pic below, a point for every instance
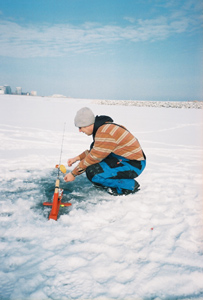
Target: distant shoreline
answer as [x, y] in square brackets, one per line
[166, 104]
[194, 104]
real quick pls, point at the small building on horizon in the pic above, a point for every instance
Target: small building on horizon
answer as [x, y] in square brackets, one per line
[18, 90]
[33, 93]
[5, 89]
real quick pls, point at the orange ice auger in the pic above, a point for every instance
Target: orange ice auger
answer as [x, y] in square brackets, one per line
[58, 193]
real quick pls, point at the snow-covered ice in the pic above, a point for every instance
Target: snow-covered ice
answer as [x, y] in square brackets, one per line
[143, 246]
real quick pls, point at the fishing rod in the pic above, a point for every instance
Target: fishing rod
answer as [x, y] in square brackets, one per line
[58, 192]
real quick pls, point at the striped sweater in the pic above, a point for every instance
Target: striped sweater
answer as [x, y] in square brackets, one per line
[109, 138]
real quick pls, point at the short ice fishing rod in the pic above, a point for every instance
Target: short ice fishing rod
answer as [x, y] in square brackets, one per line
[58, 192]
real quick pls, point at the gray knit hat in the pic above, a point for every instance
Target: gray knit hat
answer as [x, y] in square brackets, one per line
[84, 117]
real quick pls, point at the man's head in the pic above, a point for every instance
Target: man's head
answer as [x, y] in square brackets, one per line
[84, 120]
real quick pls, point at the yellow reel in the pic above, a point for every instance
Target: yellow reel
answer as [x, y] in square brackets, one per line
[62, 168]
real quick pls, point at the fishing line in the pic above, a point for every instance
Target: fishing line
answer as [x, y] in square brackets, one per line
[61, 147]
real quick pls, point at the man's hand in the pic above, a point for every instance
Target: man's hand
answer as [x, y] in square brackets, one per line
[72, 160]
[69, 177]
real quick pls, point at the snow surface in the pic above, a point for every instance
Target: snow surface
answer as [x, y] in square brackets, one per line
[143, 246]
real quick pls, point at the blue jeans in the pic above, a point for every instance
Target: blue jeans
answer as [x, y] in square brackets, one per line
[116, 172]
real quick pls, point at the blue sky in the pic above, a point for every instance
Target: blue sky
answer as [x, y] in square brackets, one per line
[103, 49]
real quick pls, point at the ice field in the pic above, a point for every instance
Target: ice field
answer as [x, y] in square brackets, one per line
[143, 246]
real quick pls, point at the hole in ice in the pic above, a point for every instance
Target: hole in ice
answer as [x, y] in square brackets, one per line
[30, 189]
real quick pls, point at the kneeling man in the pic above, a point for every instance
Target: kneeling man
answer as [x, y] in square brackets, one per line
[115, 157]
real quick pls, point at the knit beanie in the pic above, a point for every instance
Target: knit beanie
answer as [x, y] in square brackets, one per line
[84, 117]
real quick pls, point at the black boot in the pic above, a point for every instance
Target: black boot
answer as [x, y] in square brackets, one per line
[136, 188]
[113, 191]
